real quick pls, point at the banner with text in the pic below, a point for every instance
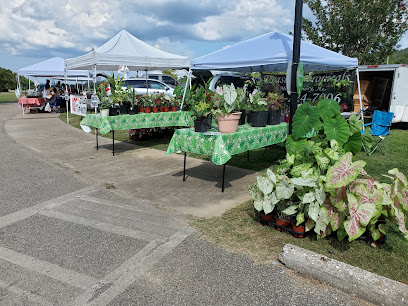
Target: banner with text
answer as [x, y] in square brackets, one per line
[78, 105]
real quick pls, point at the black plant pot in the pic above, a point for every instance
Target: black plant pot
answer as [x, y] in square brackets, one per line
[209, 121]
[133, 111]
[242, 118]
[201, 126]
[274, 117]
[248, 116]
[259, 119]
[113, 111]
[124, 109]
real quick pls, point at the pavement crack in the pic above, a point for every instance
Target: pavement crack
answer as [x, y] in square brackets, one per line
[99, 289]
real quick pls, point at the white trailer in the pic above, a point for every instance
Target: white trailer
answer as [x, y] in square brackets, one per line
[386, 89]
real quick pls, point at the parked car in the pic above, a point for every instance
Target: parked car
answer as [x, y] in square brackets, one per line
[167, 79]
[143, 86]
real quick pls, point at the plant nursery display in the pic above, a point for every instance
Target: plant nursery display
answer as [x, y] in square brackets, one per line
[320, 187]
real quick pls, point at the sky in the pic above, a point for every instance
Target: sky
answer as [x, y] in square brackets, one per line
[35, 30]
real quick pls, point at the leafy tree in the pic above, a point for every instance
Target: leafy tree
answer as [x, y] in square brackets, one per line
[366, 29]
[399, 57]
[7, 80]
[170, 73]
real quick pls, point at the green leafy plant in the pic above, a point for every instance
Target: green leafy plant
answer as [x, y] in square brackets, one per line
[225, 100]
[105, 102]
[257, 102]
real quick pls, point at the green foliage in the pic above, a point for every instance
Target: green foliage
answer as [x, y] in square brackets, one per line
[227, 100]
[367, 29]
[257, 102]
[7, 80]
[398, 57]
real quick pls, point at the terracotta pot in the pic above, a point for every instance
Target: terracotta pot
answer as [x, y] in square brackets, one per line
[286, 118]
[166, 109]
[228, 123]
[299, 230]
[174, 108]
[285, 223]
[265, 219]
[147, 110]
[155, 109]
[161, 108]
[141, 109]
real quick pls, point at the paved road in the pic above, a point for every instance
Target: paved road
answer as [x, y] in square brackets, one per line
[67, 240]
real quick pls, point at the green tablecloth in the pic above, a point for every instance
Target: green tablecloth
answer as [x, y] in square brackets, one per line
[223, 146]
[139, 121]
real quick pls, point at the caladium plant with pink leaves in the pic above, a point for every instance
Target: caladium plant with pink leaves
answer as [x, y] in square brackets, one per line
[359, 203]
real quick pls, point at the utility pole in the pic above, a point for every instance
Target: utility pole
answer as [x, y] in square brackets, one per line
[295, 59]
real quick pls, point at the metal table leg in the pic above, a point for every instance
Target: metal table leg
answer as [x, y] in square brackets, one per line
[184, 170]
[96, 133]
[223, 177]
[113, 142]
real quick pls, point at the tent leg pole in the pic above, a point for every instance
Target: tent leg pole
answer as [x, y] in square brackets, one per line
[184, 169]
[113, 142]
[223, 177]
[96, 133]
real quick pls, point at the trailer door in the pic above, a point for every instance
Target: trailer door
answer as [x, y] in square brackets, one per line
[399, 97]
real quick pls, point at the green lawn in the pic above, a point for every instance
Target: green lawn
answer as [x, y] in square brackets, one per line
[239, 230]
[8, 97]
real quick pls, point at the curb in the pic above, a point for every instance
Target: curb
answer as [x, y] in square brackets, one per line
[355, 281]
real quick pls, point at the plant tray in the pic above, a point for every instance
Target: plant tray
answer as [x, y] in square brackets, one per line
[283, 228]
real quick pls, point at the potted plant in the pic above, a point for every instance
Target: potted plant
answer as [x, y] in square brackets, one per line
[242, 104]
[156, 102]
[104, 102]
[119, 93]
[166, 100]
[268, 83]
[259, 109]
[274, 101]
[133, 100]
[225, 109]
[147, 103]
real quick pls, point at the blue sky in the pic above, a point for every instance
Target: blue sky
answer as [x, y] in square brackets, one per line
[35, 30]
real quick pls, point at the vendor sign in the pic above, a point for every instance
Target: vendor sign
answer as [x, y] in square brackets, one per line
[78, 105]
[337, 85]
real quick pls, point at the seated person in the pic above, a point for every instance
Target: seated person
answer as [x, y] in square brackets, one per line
[55, 100]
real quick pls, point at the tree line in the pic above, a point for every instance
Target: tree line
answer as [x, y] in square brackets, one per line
[8, 80]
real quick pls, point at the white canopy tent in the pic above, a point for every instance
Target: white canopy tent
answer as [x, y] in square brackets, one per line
[52, 68]
[272, 52]
[126, 50]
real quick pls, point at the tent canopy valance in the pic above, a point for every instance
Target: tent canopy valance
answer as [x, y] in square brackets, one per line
[272, 52]
[53, 67]
[126, 50]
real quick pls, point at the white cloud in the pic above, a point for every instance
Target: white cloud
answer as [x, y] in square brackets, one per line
[247, 16]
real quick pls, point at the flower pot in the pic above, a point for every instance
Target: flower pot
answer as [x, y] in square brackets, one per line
[259, 119]
[123, 109]
[242, 118]
[265, 219]
[286, 118]
[161, 108]
[282, 223]
[132, 112]
[299, 231]
[166, 109]
[200, 126]
[113, 111]
[228, 123]
[155, 109]
[174, 108]
[141, 109]
[104, 113]
[274, 117]
[148, 110]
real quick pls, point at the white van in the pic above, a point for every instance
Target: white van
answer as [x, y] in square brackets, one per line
[386, 88]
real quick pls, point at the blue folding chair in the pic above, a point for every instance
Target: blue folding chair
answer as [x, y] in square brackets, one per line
[380, 130]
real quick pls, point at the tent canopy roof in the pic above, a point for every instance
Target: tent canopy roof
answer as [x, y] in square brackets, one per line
[126, 50]
[53, 67]
[272, 52]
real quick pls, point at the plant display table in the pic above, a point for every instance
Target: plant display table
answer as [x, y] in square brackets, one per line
[222, 146]
[139, 121]
[31, 102]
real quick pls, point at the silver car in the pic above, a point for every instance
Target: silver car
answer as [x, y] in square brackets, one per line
[143, 86]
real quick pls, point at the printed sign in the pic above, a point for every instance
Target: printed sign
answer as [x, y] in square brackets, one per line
[78, 105]
[94, 101]
[299, 78]
[337, 85]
